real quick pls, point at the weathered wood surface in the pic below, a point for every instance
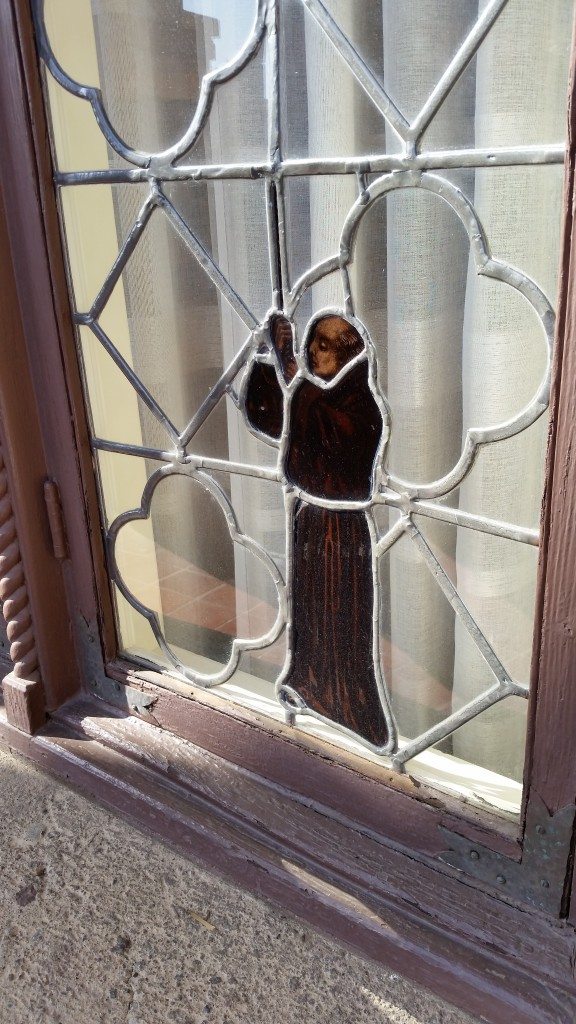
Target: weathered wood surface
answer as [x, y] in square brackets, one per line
[391, 805]
[504, 964]
[14, 596]
[24, 703]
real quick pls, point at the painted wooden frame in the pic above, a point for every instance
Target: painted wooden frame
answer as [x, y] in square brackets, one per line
[404, 876]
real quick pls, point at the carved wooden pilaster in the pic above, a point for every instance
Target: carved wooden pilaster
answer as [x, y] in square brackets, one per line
[23, 694]
[13, 590]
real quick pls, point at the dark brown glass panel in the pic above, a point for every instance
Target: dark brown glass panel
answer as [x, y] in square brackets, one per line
[264, 403]
[332, 666]
[334, 435]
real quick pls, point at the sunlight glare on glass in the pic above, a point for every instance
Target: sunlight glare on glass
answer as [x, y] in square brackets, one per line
[233, 25]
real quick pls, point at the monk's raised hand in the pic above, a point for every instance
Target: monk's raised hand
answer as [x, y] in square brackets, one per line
[282, 338]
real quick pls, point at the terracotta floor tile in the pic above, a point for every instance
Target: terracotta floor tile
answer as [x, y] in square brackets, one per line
[202, 612]
[168, 562]
[192, 595]
[228, 627]
[225, 597]
[192, 583]
[255, 622]
[171, 600]
[155, 596]
[245, 602]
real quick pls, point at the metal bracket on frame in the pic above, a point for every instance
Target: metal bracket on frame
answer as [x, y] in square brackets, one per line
[538, 878]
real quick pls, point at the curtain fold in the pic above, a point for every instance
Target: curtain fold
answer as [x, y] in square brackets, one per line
[426, 259]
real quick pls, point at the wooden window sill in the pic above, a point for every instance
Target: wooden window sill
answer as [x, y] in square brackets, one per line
[490, 958]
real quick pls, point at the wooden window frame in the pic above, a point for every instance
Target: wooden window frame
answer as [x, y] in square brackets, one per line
[355, 850]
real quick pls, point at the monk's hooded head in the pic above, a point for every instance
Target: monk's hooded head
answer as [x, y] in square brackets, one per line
[333, 342]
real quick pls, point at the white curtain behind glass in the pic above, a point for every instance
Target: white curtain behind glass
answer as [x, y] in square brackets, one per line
[503, 358]
[173, 309]
[425, 265]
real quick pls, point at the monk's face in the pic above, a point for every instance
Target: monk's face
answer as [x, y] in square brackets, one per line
[325, 353]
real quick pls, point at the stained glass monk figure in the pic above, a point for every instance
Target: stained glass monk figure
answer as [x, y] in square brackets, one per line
[334, 435]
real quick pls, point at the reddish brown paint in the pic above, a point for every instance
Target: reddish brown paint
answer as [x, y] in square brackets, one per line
[25, 466]
[27, 178]
[14, 596]
[551, 758]
[55, 519]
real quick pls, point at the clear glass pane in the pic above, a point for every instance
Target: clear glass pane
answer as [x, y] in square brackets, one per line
[345, 121]
[77, 142]
[407, 44]
[170, 320]
[513, 92]
[148, 59]
[204, 589]
[316, 207]
[418, 626]
[506, 481]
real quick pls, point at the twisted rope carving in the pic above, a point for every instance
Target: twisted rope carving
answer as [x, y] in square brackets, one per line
[13, 591]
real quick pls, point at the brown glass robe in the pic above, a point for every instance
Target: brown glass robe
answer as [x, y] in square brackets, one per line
[334, 436]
